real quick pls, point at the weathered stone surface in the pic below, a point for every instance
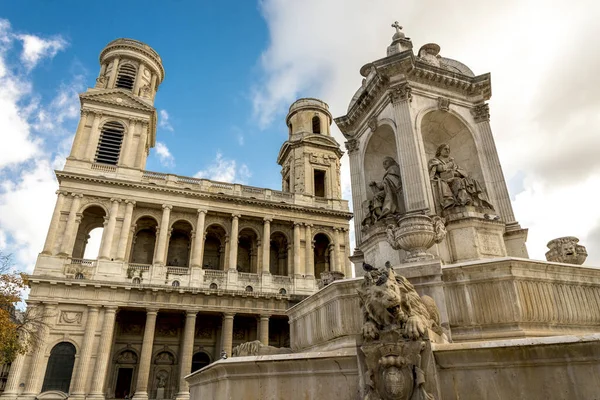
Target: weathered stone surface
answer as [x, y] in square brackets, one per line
[566, 250]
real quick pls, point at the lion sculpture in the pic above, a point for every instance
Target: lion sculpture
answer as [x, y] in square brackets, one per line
[256, 348]
[389, 301]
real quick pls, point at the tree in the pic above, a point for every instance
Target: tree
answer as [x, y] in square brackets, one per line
[18, 331]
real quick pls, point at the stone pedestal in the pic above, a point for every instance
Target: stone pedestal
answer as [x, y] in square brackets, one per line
[160, 393]
[473, 235]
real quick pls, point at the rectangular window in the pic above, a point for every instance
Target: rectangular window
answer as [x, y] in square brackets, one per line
[319, 182]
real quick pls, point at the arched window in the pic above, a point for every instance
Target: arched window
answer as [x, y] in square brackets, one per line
[200, 360]
[178, 253]
[79, 275]
[321, 254]
[136, 281]
[175, 284]
[144, 241]
[109, 145]
[249, 288]
[278, 254]
[316, 124]
[213, 286]
[282, 291]
[60, 368]
[126, 76]
[89, 233]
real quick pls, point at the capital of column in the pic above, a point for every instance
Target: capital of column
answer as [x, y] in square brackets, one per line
[481, 112]
[235, 216]
[63, 192]
[151, 311]
[167, 207]
[202, 211]
[84, 112]
[308, 225]
[352, 145]
[93, 308]
[297, 224]
[133, 228]
[79, 217]
[132, 202]
[267, 220]
[115, 200]
[228, 315]
[400, 93]
[77, 195]
[191, 313]
[264, 316]
[111, 309]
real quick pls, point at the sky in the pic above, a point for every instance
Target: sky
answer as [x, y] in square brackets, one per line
[234, 67]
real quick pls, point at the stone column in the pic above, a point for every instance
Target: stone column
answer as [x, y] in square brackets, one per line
[138, 80]
[127, 139]
[496, 186]
[153, 84]
[161, 248]
[141, 387]
[298, 270]
[109, 232]
[353, 146]
[51, 237]
[93, 138]
[332, 261]
[14, 376]
[113, 76]
[104, 350]
[233, 243]
[66, 247]
[198, 250]
[141, 149]
[77, 148]
[227, 333]
[185, 365]
[125, 229]
[263, 329]
[78, 385]
[412, 166]
[308, 251]
[346, 254]
[339, 266]
[266, 248]
[38, 362]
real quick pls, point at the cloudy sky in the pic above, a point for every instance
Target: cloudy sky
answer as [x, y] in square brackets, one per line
[232, 70]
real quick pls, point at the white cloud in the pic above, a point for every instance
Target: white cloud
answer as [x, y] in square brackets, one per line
[225, 170]
[163, 120]
[36, 48]
[164, 155]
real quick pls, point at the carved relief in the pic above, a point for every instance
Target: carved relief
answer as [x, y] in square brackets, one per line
[373, 124]
[481, 112]
[132, 329]
[352, 145]
[127, 357]
[566, 250]
[166, 328]
[164, 358]
[70, 317]
[443, 103]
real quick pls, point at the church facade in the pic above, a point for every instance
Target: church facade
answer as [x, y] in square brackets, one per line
[187, 268]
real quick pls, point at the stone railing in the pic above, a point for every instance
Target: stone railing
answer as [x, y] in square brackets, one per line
[83, 261]
[282, 280]
[154, 175]
[139, 267]
[178, 270]
[210, 275]
[104, 167]
[246, 277]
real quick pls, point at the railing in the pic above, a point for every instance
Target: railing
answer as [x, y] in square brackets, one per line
[210, 275]
[154, 175]
[104, 167]
[220, 185]
[139, 267]
[83, 261]
[251, 189]
[248, 277]
[178, 270]
[185, 179]
[283, 195]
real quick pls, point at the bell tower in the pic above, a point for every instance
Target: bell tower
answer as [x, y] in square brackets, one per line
[310, 158]
[118, 119]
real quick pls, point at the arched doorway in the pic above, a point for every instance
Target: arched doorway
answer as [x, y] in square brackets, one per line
[278, 254]
[247, 250]
[214, 247]
[200, 360]
[321, 254]
[91, 227]
[178, 254]
[60, 368]
[144, 241]
[126, 364]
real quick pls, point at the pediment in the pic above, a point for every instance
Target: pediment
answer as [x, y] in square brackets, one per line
[117, 97]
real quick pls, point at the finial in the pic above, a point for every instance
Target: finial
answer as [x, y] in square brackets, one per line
[397, 26]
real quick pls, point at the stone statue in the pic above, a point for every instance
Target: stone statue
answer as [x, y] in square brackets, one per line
[256, 348]
[395, 356]
[161, 380]
[101, 82]
[146, 91]
[454, 186]
[566, 250]
[390, 301]
[387, 194]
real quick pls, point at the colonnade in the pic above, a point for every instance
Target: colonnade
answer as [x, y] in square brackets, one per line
[109, 250]
[33, 378]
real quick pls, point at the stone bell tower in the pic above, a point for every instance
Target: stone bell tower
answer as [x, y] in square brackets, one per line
[118, 119]
[423, 158]
[310, 158]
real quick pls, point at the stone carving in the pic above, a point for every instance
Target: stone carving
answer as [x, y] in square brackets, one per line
[165, 328]
[329, 276]
[132, 329]
[395, 356]
[430, 53]
[443, 103]
[373, 124]
[70, 317]
[101, 82]
[453, 187]
[389, 301]
[481, 112]
[161, 379]
[566, 250]
[256, 348]
[387, 194]
[401, 93]
[415, 234]
[127, 357]
[146, 91]
[164, 357]
[78, 271]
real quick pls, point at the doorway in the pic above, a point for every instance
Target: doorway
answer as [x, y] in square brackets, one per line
[123, 387]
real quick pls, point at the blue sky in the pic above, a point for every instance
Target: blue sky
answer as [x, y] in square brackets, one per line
[234, 67]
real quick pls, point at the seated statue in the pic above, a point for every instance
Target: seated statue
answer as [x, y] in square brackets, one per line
[387, 194]
[454, 186]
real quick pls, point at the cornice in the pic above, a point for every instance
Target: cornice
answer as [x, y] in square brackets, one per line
[101, 97]
[333, 146]
[203, 195]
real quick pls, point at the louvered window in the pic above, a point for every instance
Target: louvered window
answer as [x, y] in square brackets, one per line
[109, 146]
[126, 77]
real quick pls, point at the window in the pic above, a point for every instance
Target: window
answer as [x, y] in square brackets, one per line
[109, 145]
[249, 289]
[316, 124]
[213, 286]
[175, 284]
[79, 275]
[282, 292]
[290, 128]
[126, 76]
[319, 182]
[60, 368]
[136, 281]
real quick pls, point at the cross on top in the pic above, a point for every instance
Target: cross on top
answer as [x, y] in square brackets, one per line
[397, 26]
